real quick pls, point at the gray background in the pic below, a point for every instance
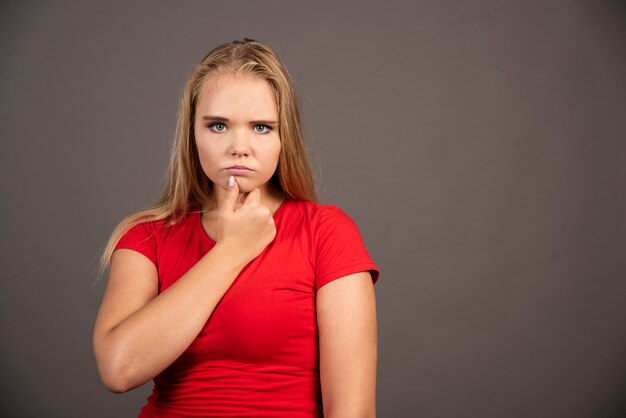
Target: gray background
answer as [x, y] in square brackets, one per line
[478, 145]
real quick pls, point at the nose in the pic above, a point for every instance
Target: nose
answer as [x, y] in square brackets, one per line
[239, 143]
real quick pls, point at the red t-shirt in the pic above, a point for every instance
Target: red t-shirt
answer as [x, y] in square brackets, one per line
[258, 353]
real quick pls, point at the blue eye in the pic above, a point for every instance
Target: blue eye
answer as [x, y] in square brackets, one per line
[213, 126]
[265, 127]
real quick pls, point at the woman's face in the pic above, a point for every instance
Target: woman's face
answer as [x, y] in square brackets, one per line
[236, 124]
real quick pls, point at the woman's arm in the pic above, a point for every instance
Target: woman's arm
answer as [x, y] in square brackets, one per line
[346, 318]
[138, 333]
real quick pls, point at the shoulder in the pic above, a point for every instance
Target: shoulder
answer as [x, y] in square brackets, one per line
[331, 216]
[319, 218]
[156, 230]
[313, 218]
[328, 222]
[339, 247]
[318, 211]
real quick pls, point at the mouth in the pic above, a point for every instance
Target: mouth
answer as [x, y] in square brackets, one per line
[238, 170]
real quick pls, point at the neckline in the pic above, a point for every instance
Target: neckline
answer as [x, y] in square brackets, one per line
[206, 236]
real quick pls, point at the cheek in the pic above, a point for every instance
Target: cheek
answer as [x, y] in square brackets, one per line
[277, 147]
[206, 155]
[270, 157]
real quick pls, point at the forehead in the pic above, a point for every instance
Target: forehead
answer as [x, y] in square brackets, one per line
[231, 95]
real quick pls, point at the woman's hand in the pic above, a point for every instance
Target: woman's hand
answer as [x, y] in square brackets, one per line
[246, 227]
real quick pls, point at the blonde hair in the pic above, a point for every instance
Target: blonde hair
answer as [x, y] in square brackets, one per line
[187, 184]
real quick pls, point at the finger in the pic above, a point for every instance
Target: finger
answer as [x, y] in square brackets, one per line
[232, 192]
[240, 199]
[253, 196]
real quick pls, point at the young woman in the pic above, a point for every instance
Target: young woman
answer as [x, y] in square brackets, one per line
[237, 292]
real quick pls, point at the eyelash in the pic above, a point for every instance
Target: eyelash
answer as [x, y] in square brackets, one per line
[267, 128]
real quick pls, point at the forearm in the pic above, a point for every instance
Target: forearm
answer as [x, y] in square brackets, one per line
[150, 339]
[356, 400]
[351, 411]
[349, 414]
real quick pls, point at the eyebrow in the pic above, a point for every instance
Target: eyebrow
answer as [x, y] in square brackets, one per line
[223, 119]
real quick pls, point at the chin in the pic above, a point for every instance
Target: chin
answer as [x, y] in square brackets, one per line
[245, 185]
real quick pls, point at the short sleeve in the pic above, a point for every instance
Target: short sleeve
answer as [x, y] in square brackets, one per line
[141, 239]
[339, 247]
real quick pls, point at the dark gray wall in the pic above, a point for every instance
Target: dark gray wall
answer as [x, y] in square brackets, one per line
[478, 145]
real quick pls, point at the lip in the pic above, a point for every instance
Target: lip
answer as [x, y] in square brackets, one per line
[237, 170]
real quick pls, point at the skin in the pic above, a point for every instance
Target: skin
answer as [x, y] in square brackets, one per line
[346, 320]
[236, 123]
[134, 318]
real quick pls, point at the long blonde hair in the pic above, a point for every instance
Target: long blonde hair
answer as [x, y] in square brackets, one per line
[187, 184]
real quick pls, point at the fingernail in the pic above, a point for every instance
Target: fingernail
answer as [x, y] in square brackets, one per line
[231, 182]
